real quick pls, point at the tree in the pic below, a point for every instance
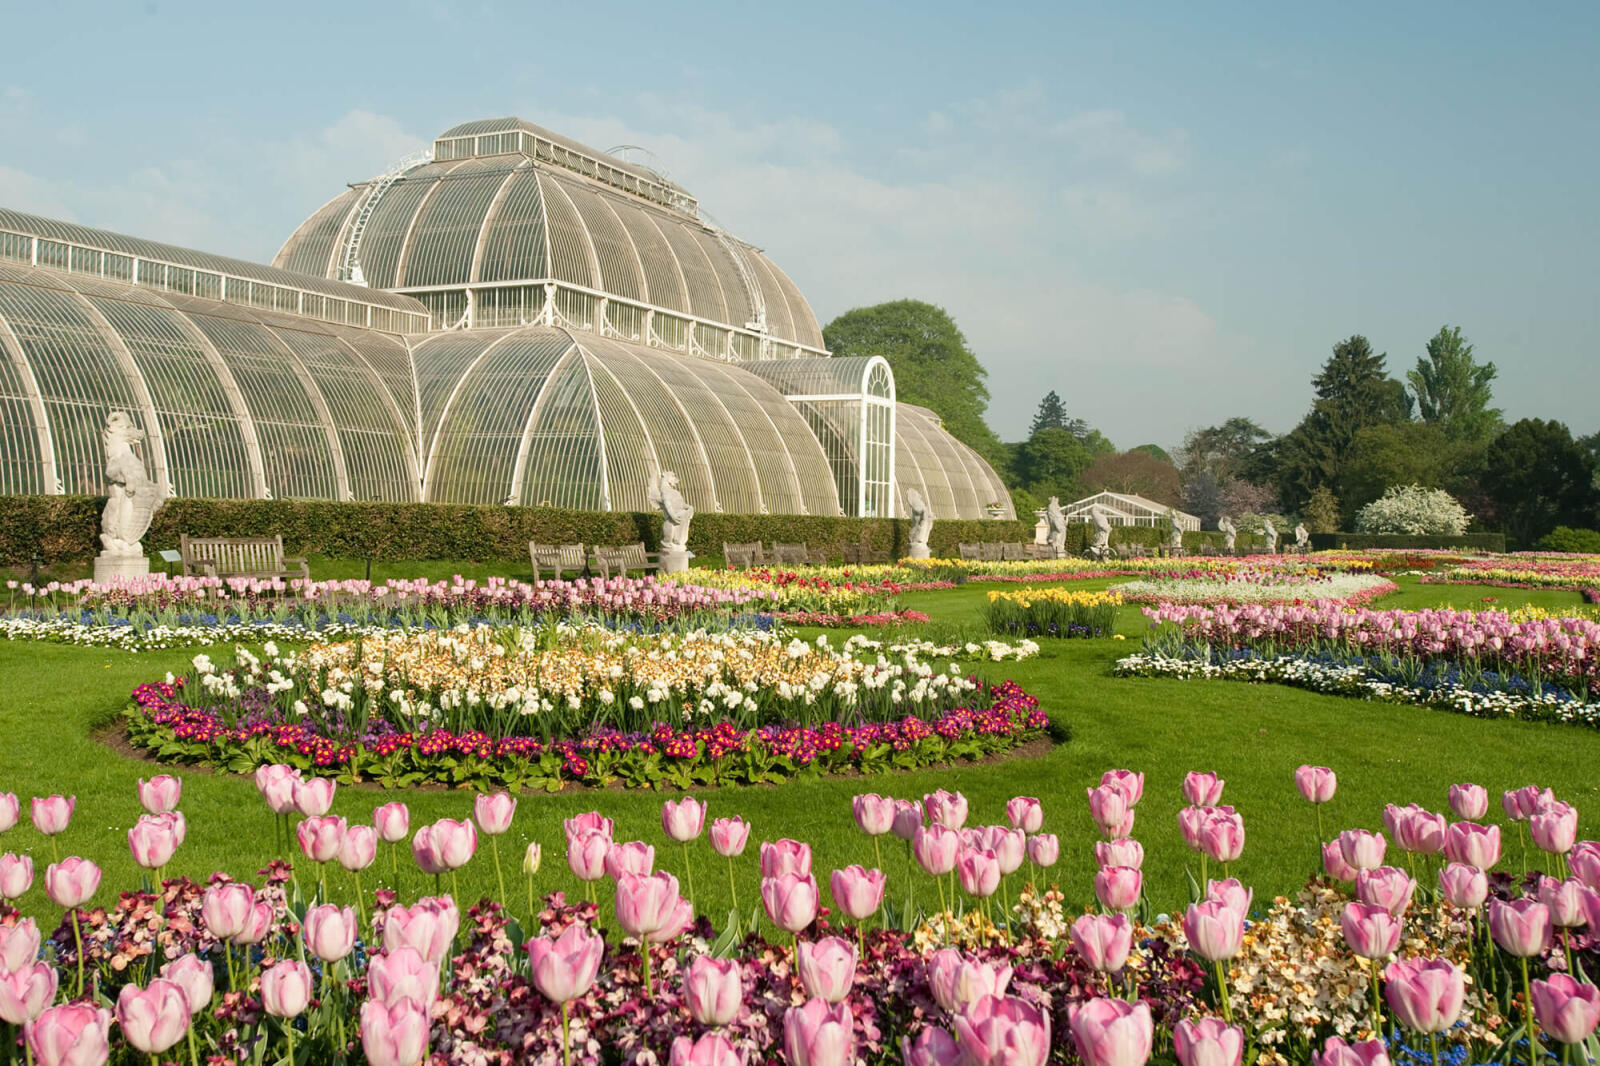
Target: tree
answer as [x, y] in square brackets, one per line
[1135, 472]
[1052, 414]
[1414, 510]
[1202, 497]
[933, 367]
[1223, 450]
[1321, 512]
[1155, 451]
[1453, 390]
[1404, 453]
[1049, 463]
[1539, 478]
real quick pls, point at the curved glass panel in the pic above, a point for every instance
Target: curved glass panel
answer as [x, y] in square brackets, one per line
[310, 250]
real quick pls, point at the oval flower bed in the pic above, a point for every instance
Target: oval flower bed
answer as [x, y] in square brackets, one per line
[1255, 584]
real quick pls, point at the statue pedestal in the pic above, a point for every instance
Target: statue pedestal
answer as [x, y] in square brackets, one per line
[919, 551]
[675, 562]
[110, 567]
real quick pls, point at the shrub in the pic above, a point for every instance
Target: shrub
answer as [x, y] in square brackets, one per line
[1415, 510]
[1567, 539]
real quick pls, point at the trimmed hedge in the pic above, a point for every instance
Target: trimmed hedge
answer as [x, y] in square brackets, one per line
[1480, 542]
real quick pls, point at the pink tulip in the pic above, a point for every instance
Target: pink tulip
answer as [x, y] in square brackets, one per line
[358, 847]
[932, 1047]
[785, 857]
[1222, 837]
[948, 809]
[1362, 850]
[681, 918]
[729, 836]
[564, 968]
[314, 796]
[10, 810]
[1370, 930]
[160, 794]
[1520, 803]
[713, 990]
[194, 975]
[1464, 886]
[493, 813]
[320, 837]
[827, 968]
[1208, 1042]
[155, 1018]
[52, 813]
[1214, 930]
[394, 1034]
[1469, 802]
[790, 900]
[1111, 1032]
[152, 842]
[1119, 853]
[1566, 1010]
[286, 989]
[1316, 783]
[1335, 1052]
[1386, 886]
[25, 992]
[429, 926]
[403, 974]
[19, 944]
[1117, 887]
[819, 1033]
[586, 854]
[76, 1034]
[1108, 806]
[646, 904]
[1584, 861]
[1190, 822]
[1004, 1031]
[276, 785]
[71, 882]
[635, 857]
[1564, 900]
[979, 871]
[1475, 845]
[857, 891]
[711, 1049]
[1333, 862]
[1591, 908]
[589, 820]
[1025, 813]
[16, 875]
[907, 819]
[258, 923]
[225, 908]
[330, 931]
[1043, 850]
[1202, 789]
[1129, 783]
[957, 981]
[175, 822]
[1554, 828]
[392, 821]
[936, 849]
[1521, 926]
[683, 820]
[1104, 940]
[1418, 830]
[1232, 894]
[1425, 994]
[874, 814]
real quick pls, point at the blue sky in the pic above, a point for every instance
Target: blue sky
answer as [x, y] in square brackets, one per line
[1166, 212]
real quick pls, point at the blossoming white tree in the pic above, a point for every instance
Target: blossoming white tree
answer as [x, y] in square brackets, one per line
[1415, 510]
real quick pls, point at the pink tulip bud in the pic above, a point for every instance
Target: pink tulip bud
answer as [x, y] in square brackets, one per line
[857, 891]
[25, 991]
[1222, 837]
[225, 909]
[19, 945]
[1566, 1010]
[729, 836]
[1362, 850]
[979, 872]
[10, 810]
[1111, 1032]
[819, 1034]
[152, 842]
[907, 819]
[589, 820]
[932, 1047]
[320, 837]
[1025, 813]
[1521, 926]
[314, 796]
[1232, 894]
[1214, 930]
[493, 813]
[1129, 783]
[330, 931]
[1117, 887]
[358, 847]
[713, 990]
[430, 927]
[16, 875]
[1316, 783]
[1335, 1052]
[586, 854]
[564, 968]
[1464, 886]
[1475, 845]
[1202, 789]
[948, 809]
[52, 814]
[1119, 853]
[1425, 994]
[160, 794]
[269, 775]
[1208, 1042]
[1370, 930]
[957, 982]
[1043, 850]
[286, 989]
[936, 849]
[1520, 803]
[1469, 802]
[1564, 900]
[635, 857]
[1386, 886]
[194, 975]
[1333, 862]
[1554, 828]
[1190, 821]
[874, 814]
[646, 904]
[790, 900]
[394, 1034]
[683, 820]
[1583, 859]
[1108, 806]
[827, 968]
[71, 882]
[393, 822]
[1104, 940]
[445, 845]
[155, 1018]
[711, 1049]
[403, 974]
[785, 857]
[76, 1034]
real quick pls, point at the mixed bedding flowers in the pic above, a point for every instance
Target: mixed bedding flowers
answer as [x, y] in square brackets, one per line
[1246, 583]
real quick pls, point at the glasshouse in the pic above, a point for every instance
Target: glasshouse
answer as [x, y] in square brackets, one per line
[511, 318]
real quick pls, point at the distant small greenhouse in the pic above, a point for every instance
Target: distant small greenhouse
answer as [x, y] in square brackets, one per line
[1125, 509]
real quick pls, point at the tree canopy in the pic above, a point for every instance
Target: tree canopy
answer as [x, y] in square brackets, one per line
[1453, 390]
[1137, 472]
[1539, 478]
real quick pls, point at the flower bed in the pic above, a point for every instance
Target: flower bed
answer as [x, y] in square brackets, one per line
[1052, 613]
[842, 590]
[1255, 584]
[1580, 574]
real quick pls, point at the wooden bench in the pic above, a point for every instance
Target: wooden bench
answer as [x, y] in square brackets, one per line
[797, 554]
[238, 557]
[558, 559]
[969, 552]
[744, 555]
[1012, 551]
[617, 561]
[863, 555]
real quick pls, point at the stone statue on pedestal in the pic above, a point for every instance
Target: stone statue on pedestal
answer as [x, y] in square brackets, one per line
[1230, 532]
[1302, 537]
[921, 525]
[676, 513]
[131, 502]
[1056, 528]
[1270, 531]
[1175, 534]
[1100, 546]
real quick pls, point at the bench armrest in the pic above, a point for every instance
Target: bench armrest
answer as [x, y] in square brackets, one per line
[305, 568]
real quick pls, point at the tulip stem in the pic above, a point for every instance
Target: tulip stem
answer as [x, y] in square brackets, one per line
[288, 1029]
[1534, 1054]
[877, 850]
[688, 872]
[500, 878]
[566, 1039]
[644, 950]
[455, 887]
[944, 924]
[1433, 1044]
[1222, 991]
[194, 1054]
[733, 892]
[77, 936]
[530, 899]
[322, 881]
[361, 905]
[394, 864]
[1377, 1011]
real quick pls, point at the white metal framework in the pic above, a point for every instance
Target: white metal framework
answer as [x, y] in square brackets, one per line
[1127, 509]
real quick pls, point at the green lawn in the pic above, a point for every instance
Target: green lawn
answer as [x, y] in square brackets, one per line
[54, 698]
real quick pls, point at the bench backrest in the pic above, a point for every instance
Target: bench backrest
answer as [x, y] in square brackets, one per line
[1011, 551]
[234, 555]
[794, 554]
[739, 554]
[968, 551]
